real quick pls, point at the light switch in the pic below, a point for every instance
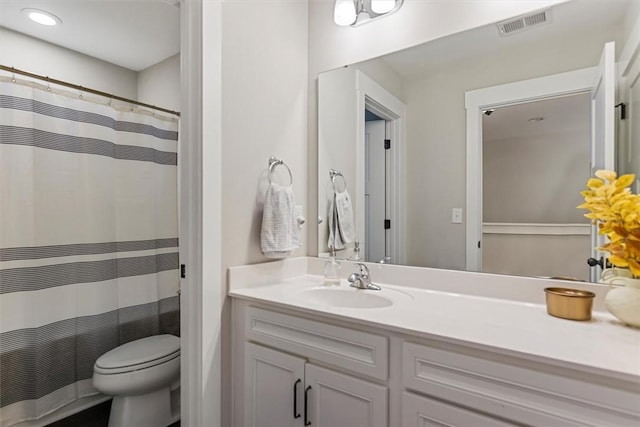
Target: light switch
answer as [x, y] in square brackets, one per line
[456, 215]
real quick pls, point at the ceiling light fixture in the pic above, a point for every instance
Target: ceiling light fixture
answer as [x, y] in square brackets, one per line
[42, 17]
[358, 12]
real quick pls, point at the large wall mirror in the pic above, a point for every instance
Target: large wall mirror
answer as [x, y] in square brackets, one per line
[394, 131]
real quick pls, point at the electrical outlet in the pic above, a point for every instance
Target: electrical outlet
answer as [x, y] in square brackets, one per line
[456, 216]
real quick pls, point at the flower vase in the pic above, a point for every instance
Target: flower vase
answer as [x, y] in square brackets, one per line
[623, 301]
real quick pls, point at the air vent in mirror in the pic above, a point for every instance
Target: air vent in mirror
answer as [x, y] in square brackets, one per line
[523, 22]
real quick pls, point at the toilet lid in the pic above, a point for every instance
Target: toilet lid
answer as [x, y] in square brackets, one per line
[158, 348]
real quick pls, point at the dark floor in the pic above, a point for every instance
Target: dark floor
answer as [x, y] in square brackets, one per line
[97, 416]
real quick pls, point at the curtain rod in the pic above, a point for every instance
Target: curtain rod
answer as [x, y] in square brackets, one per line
[84, 89]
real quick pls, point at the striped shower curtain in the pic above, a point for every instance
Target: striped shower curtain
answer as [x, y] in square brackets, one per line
[88, 241]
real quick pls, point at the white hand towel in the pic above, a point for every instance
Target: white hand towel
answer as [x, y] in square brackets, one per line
[279, 235]
[341, 224]
[334, 235]
[344, 211]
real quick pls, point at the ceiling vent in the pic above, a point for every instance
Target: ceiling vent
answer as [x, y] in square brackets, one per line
[525, 22]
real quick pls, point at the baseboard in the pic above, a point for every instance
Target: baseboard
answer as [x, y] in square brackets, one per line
[66, 411]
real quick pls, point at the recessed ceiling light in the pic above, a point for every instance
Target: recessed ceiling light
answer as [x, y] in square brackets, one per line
[42, 17]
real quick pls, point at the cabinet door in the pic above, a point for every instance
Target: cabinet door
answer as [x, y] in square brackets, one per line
[420, 411]
[273, 388]
[337, 400]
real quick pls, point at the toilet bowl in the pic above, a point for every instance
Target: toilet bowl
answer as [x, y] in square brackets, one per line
[139, 376]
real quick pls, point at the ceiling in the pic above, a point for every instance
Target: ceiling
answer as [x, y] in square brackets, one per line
[134, 34]
[566, 18]
[563, 114]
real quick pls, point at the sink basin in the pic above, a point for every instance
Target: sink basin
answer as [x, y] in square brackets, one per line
[345, 298]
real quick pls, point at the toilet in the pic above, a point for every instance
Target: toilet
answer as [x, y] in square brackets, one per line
[139, 376]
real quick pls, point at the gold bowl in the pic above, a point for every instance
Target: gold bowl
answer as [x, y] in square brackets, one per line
[572, 304]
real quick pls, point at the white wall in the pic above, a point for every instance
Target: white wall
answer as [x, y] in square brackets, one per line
[39, 57]
[537, 179]
[383, 74]
[264, 113]
[264, 98]
[159, 84]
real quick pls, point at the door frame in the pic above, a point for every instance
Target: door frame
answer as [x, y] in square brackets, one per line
[190, 212]
[375, 98]
[200, 364]
[476, 101]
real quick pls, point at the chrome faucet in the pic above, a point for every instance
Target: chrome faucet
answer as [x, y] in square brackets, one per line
[362, 280]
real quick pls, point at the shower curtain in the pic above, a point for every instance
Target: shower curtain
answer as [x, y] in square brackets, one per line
[88, 241]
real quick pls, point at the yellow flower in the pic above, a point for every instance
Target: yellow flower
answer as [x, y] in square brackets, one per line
[616, 211]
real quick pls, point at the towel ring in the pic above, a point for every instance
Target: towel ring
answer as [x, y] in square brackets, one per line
[273, 162]
[333, 174]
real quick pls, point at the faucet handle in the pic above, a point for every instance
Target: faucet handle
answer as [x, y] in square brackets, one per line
[364, 270]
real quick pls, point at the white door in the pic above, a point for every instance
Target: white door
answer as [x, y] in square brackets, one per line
[273, 387]
[337, 400]
[419, 411]
[374, 189]
[603, 130]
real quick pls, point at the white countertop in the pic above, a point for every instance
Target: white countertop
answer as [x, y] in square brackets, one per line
[603, 345]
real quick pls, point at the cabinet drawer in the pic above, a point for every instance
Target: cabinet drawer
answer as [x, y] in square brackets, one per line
[421, 411]
[360, 352]
[529, 392]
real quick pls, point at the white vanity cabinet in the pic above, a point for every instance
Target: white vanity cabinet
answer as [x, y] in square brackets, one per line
[355, 374]
[510, 388]
[283, 390]
[285, 384]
